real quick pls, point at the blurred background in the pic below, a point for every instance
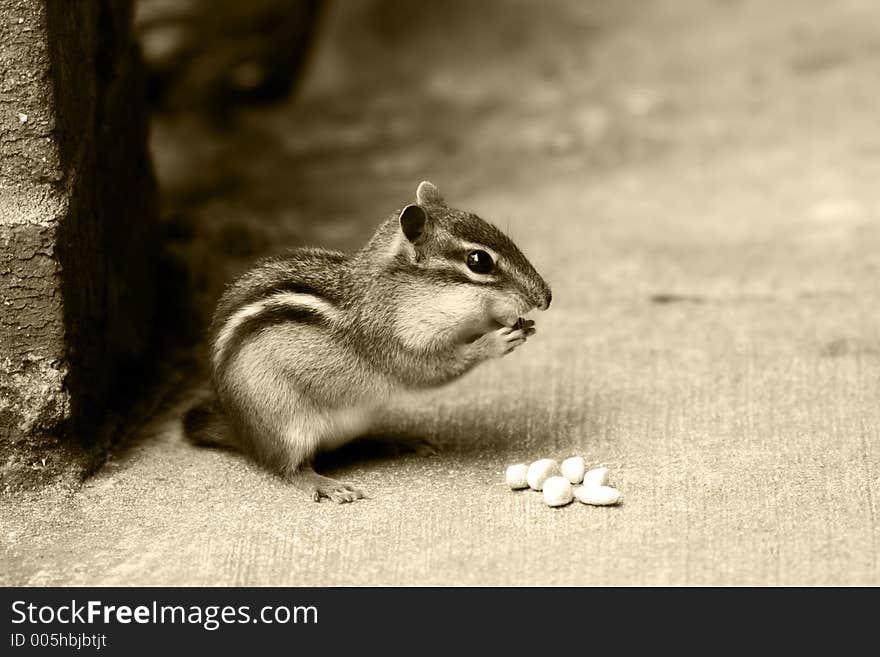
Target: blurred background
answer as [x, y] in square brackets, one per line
[280, 123]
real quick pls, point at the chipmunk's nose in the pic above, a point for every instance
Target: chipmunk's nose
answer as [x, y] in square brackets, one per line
[545, 300]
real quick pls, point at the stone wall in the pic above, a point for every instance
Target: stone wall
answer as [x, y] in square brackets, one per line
[78, 239]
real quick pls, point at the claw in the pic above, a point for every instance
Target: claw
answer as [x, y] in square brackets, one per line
[318, 487]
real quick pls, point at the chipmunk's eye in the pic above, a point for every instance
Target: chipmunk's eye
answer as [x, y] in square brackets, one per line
[479, 262]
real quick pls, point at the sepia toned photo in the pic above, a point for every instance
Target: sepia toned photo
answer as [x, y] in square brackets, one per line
[389, 293]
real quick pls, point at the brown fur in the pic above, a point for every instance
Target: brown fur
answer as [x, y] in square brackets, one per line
[308, 346]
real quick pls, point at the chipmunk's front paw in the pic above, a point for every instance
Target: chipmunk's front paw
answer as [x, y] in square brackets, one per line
[504, 340]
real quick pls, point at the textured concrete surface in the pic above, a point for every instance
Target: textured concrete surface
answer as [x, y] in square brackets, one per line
[78, 233]
[698, 183]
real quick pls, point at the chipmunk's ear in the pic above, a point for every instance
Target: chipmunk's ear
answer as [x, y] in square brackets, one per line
[428, 194]
[413, 221]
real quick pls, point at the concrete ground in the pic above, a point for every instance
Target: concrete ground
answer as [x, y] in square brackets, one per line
[698, 182]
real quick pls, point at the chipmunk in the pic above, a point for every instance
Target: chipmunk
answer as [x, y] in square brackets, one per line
[306, 347]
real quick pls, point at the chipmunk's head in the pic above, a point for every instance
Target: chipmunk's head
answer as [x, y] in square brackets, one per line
[467, 257]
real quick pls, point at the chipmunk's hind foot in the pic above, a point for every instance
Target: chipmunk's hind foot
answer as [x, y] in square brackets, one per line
[318, 487]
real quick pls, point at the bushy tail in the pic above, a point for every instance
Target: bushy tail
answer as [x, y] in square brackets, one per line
[204, 425]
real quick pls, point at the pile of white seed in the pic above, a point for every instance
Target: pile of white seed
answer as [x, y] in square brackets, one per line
[557, 482]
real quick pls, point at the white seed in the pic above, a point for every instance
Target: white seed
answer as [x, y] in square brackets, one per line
[557, 491]
[597, 495]
[573, 469]
[540, 471]
[22, 118]
[516, 476]
[596, 477]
